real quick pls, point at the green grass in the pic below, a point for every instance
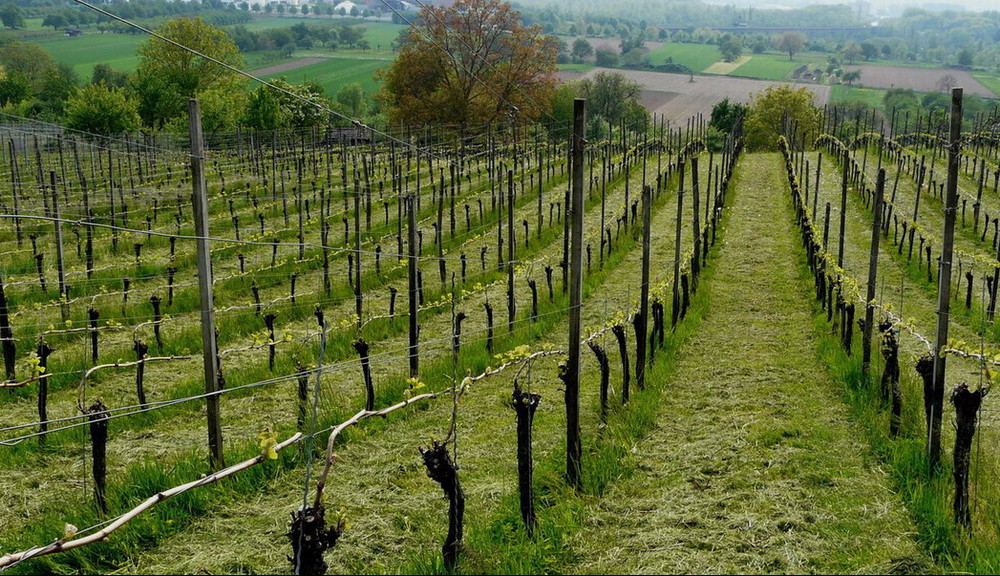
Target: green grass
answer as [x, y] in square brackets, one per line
[695, 56]
[581, 68]
[777, 66]
[991, 81]
[871, 97]
[83, 52]
[335, 73]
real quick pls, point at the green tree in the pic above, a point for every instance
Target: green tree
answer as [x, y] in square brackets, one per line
[965, 57]
[608, 95]
[99, 109]
[606, 58]
[55, 20]
[725, 114]
[28, 59]
[790, 42]
[11, 15]
[773, 109]
[14, 88]
[731, 47]
[869, 51]
[352, 98]
[57, 85]
[159, 99]
[851, 77]
[851, 52]
[497, 65]
[263, 111]
[188, 72]
[105, 74]
[582, 50]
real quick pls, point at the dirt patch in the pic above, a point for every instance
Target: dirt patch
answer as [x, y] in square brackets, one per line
[722, 67]
[568, 75]
[287, 66]
[920, 79]
[677, 98]
[654, 100]
[616, 45]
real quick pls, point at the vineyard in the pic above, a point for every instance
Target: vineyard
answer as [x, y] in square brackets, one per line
[274, 352]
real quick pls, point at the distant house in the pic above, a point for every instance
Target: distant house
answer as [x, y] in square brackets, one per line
[73, 32]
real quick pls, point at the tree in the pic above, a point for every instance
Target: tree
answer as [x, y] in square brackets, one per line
[791, 42]
[582, 50]
[869, 50]
[14, 88]
[606, 58]
[28, 59]
[472, 62]
[725, 114]
[11, 15]
[56, 20]
[772, 110]
[264, 111]
[851, 52]
[189, 73]
[99, 109]
[352, 98]
[106, 75]
[851, 77]
[965, 57]
[731, 48]
[608, 95]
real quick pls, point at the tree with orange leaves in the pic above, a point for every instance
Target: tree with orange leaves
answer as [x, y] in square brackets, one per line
[470, 63]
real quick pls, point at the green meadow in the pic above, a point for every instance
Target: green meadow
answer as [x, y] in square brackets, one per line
[695, 56]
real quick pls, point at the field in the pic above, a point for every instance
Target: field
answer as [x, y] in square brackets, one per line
[697, 57]
[778, 67]
[83, 52]
[677, 98]
[334, 73]
[501, 349]
[869, 97]
[919, 79]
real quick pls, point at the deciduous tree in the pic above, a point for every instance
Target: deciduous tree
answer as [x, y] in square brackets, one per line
[791, 42]
[189, 72]
[774, 109]
[473, 62]
[100, 109]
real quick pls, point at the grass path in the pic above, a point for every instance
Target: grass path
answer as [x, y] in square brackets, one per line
[753, 465]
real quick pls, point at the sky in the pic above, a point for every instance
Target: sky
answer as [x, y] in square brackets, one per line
[879, 5]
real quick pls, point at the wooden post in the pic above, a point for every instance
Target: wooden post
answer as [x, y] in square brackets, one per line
[358, 294]
[411, 267]
[60, 262]
[944, 282]
[203, 250]
[642, 322]
[866, 340]
[677, 249]
[846, 160]
[7, 336]
[574, 449]
[511, 301]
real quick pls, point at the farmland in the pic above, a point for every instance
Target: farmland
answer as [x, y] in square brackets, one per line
[588, 343]
[677, 98]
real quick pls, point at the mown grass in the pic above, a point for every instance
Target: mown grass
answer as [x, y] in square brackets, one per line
[771, 66]
[84, 52]
[149, 477]
[695, 56]
[335, 73]
[869, 97]
[927, 495]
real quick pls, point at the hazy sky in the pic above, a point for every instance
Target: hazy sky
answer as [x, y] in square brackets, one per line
[879, 5]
